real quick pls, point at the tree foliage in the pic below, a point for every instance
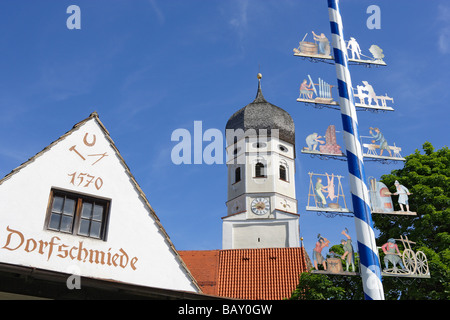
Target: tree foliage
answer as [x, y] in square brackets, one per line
[317, 287]
[427, 176]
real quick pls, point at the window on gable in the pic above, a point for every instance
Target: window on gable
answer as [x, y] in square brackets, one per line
[77, 214]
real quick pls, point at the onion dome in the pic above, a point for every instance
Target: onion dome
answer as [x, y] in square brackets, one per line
[261, 114]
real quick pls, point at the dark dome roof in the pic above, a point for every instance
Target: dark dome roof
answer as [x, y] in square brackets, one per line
[261, 114]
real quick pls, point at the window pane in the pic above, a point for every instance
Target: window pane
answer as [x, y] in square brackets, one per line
[87, 210]
[69, 206]
[237, 175]
[259, 170]
[84, 227]
[98, 213]
[57, 204]
[95, 229]
[54, 221]
[66, 224]
[77, 215]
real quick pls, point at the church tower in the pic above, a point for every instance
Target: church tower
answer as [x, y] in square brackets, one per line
[261, 202]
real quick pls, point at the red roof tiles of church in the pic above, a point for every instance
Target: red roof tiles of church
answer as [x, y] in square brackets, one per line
[252, 274]
[203, 265]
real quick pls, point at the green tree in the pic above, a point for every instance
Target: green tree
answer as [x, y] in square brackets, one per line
[317, 287]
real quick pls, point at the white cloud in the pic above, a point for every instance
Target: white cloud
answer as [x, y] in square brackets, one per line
[12, 154]
[239, 18]
[444, 32]
[444, 40]
[158, 12]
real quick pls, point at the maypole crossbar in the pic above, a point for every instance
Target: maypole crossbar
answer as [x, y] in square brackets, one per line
[370, 265]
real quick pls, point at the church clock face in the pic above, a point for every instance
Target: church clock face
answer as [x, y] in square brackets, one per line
[260, 206]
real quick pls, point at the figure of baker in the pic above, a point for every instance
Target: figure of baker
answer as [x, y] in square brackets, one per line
[403, 194]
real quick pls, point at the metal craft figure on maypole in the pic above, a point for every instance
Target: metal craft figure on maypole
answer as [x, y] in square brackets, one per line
[367, 248]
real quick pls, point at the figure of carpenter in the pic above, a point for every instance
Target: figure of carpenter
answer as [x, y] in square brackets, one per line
[379, 137]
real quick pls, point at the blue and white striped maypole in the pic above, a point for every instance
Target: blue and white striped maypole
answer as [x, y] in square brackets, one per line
[367, 249]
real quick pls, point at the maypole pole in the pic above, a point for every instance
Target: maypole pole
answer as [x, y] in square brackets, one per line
[367, 249]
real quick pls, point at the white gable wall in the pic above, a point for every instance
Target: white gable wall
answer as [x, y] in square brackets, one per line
[24, 200]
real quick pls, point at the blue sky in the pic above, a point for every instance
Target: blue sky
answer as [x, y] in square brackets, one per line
[149, 67]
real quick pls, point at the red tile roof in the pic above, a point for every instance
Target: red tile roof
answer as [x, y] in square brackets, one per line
[252, 274]
[203, 266]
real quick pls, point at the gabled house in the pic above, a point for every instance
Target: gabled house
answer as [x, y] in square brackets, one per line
[74, 223]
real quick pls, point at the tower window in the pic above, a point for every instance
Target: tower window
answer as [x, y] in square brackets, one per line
[259, 170]
[259, 145]
[283, 173]
[237, 175]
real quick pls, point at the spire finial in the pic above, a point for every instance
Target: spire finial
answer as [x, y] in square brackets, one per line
[259, 81]
[259, 95]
